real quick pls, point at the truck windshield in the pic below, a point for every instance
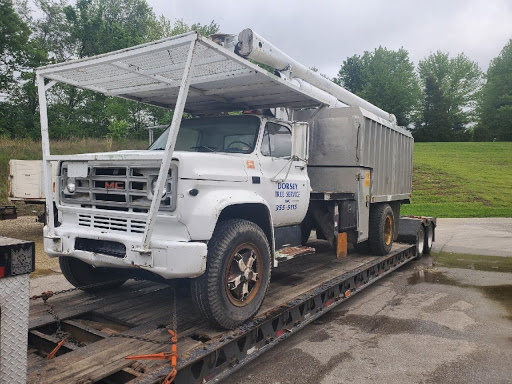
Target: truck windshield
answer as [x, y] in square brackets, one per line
[234, 134]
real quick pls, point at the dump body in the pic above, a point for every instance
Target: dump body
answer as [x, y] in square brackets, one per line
[344, 141]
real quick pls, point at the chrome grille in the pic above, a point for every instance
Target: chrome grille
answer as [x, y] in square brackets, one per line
[119, 188]
[111, 223]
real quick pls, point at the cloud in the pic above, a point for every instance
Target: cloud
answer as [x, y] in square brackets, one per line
[325, 32]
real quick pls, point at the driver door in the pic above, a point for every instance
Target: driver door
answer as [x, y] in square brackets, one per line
[285, 182]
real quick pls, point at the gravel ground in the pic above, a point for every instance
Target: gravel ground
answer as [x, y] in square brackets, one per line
[27, 228]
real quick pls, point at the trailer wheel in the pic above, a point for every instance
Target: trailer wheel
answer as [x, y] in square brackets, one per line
[420, 242]
[381, 229]
[237, 274]
[429, 239]
[88, 278]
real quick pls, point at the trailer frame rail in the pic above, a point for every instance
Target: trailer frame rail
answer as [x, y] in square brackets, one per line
[217, 360]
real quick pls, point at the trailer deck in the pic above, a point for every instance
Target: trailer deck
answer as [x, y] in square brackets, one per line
[102, 329]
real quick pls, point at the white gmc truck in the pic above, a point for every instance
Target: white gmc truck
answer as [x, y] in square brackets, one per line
[218, 198]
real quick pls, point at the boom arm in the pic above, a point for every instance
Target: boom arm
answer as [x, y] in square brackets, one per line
[252, 46]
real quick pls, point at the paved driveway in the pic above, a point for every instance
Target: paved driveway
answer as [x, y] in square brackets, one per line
[489, 236]
[418, 325]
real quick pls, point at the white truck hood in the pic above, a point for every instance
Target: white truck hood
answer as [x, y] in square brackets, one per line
[211, 166]
[203, 165]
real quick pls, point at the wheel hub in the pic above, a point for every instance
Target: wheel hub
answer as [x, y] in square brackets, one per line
[430, 237]
[388, 230]
[243, 272]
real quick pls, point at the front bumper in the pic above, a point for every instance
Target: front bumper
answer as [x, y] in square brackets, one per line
[168, 258]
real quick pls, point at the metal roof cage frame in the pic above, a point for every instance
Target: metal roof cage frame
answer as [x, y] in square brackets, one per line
[186, 69]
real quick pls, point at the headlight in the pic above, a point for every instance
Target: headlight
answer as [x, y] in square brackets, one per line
[71, 186]
[153, 188]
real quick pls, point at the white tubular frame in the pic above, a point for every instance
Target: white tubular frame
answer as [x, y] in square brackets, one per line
[166, 158]
[169, 148]
[45, 140]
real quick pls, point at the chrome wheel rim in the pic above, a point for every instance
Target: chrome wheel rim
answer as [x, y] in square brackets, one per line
[420, 243]
[243, 274]
[430, 237]
[388, 230]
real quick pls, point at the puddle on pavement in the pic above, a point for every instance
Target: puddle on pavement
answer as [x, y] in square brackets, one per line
[502, 294]
[431, 276]
[498, 293]
[475, 262]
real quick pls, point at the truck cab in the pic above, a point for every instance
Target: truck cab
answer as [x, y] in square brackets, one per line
[243, 169]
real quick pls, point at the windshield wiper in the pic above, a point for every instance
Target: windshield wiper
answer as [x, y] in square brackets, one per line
[204, 147]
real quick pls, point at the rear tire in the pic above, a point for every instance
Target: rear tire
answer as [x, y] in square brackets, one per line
[429, 239]
[381, 231]
[88, 278]
[232, 288]
[420, 242]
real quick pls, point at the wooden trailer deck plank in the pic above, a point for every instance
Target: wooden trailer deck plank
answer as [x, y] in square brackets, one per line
[150, 309]
[105, 357]
[76, 303]
[80, 297]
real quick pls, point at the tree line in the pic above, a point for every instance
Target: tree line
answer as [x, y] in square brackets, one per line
[443, 98]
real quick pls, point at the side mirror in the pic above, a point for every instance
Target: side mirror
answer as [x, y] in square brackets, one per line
[300, 140]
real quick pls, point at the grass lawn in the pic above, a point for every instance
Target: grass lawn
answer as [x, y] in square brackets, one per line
[478, 262]
[462, 180]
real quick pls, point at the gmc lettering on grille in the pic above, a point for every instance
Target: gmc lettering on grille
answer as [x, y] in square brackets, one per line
[114, 185]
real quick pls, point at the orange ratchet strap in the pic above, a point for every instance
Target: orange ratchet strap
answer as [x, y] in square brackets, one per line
[172, 356]
[56, 349]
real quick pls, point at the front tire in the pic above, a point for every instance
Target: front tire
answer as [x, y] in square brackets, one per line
[381, 231]
[237, 274]
[88, 278]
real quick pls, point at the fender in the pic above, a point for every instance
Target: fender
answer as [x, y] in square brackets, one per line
[204, 209]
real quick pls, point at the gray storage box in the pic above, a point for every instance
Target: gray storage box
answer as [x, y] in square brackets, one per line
[347, 142]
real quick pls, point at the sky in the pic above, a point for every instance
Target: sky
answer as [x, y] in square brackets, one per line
[323, 33]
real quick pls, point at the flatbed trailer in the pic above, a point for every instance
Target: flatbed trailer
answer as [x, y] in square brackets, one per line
[102, 329]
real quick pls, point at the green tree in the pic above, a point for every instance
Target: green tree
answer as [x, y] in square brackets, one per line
[351, 75]
[50, 42]
[101, 26]
[450, 87]
[14, 33]
[118, 129]
[385, 78]
[67, 30]
[495, 107]
[165, 28]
